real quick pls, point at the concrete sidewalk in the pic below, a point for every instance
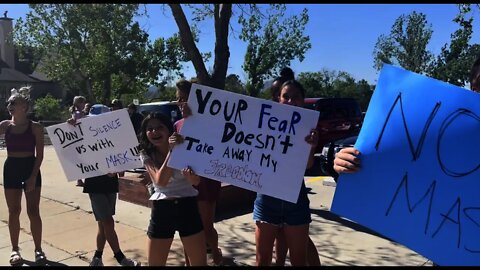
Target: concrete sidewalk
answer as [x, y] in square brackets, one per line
[69, 229]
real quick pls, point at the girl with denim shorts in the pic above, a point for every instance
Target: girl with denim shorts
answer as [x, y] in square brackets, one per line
[275, 216]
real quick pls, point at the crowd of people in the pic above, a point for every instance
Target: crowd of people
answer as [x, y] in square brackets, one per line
[181, 200]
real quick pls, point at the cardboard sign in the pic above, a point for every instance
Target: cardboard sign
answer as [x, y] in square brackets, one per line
[419, 182]
[248, 142]
[96, 145]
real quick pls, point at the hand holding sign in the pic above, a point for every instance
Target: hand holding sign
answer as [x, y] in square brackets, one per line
[419, 179]
[96, 145]
[248, 142]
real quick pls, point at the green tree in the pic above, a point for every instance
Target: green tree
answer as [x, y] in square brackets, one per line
[406, 45]
[234, 84]
[330, 83]
[453, 64]
[273, 42]
[92, 48]
[221, 14]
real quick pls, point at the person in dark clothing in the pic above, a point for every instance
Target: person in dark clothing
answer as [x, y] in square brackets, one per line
[135, 117]
[102, 191]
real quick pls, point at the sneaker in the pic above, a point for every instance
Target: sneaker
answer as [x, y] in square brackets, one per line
[129, 262]
[96, 262]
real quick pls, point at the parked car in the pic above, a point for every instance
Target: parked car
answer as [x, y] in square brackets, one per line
[97, 109]
[339, 118]
[328, 154]
[169, 108]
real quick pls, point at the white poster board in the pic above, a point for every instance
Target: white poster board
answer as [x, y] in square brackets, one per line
[96, 145]
[248, 142]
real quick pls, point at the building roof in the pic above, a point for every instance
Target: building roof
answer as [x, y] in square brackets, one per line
[8, 74]
[12, 75]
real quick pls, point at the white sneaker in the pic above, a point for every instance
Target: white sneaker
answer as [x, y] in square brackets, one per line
[96, 262]
[129, 262]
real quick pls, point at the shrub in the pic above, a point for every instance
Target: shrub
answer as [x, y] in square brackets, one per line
[48, 108]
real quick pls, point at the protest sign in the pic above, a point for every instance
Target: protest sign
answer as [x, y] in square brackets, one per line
[248, 142]
[96, 145]
[418, 182]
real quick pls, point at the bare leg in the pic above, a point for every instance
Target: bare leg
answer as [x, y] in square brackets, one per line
[110, 234]
[196, 250]
[14, 204]
[280, 249]
[157, 251]
[312, 254]
[101, 240]
[297, 241]
[264, 237]
[33, 211]
[207, 213]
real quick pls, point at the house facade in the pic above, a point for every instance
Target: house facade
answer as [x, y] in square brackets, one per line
[11, 76]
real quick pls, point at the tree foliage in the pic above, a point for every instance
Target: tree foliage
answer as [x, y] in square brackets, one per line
[331, 83]
[221, 18]
[453, 63]
[234, 84]
[406, 45]
[94, 48]
[273, 42]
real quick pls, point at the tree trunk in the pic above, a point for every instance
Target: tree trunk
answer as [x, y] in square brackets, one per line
[222, 15]
[107, 89]
[189, 44]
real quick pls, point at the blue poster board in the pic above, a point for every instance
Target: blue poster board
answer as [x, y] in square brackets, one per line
[419, 183]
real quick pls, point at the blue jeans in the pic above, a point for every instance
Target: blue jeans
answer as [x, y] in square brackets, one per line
[279, 212]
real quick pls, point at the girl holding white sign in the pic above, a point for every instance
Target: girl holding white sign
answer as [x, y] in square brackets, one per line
[174, 206]
[274, 216]
[24, 141]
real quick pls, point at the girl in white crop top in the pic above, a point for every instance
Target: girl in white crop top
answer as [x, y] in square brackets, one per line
[174, 204]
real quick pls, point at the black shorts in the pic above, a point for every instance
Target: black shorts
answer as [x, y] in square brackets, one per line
[179, 215]
[16, 170]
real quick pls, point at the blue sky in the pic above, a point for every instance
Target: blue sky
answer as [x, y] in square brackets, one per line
[343, 36]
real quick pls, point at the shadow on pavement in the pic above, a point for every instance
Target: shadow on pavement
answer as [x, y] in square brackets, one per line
[350, 224]
[45, 263]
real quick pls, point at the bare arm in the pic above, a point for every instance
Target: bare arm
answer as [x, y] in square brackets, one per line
[160, 175]
[39, 149]
[3, 126]
[312, 139]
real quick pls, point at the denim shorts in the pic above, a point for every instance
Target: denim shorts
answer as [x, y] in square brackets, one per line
[103, 205]
[169, 216]
[279, 212]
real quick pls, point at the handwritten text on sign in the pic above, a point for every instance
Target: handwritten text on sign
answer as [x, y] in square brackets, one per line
[419, 182]
[96, 145]
[248, 142]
